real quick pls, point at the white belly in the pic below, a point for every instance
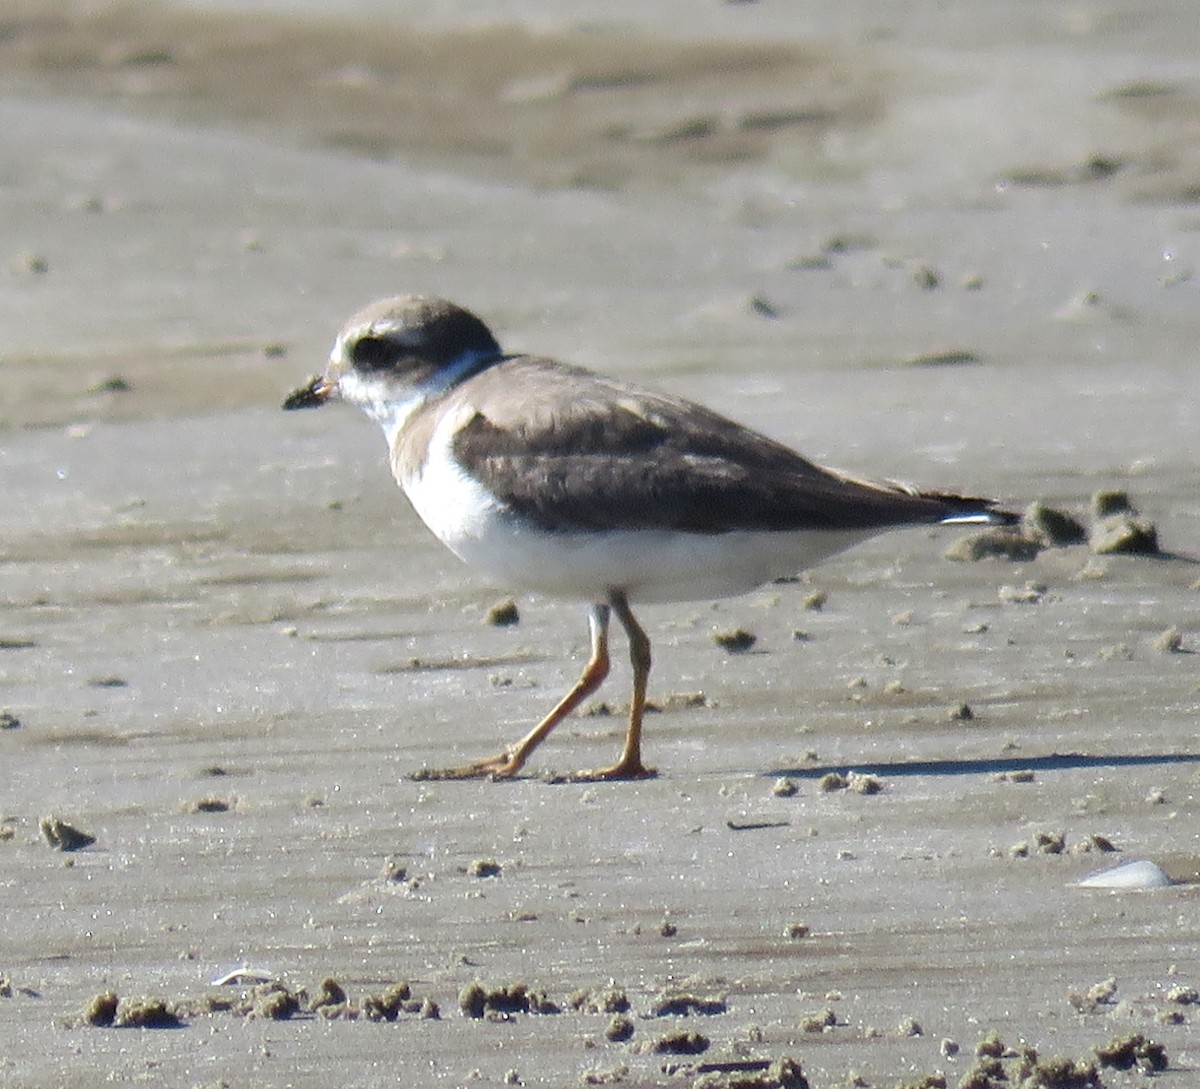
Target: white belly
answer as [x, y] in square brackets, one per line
[648, 565]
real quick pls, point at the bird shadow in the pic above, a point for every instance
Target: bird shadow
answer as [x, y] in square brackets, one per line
[989, 766]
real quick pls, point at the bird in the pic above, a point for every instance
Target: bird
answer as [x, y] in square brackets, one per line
[567, 483]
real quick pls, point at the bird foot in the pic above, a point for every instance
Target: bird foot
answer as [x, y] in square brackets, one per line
[500, 766]
[621, 771]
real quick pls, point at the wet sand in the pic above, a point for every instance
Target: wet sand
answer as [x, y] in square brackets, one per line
[937, 249]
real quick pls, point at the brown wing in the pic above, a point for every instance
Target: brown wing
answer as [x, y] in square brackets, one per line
[587, 452]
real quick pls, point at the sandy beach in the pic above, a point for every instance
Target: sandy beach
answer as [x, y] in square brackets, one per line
[950, 246]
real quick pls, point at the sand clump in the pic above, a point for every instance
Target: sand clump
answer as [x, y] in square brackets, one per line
[996, 1066]
[678, 1042]
[476, 1001]
[210, 803]
[330, 1000]
[854, 782]
[682, 1004]
[610, 999]
[268, 1001]
[999, 1067]
[782, 1073]
[63, 836]
[107, 1010]
[484, 867]
[1000, 544]
[619, 1029]
[1051, 527]
[1134, 1050]
[1168, 641]
[1117, 527]
[819, 1021]
[735, 640]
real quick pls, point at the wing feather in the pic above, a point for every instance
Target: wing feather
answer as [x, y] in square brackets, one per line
[585, 452]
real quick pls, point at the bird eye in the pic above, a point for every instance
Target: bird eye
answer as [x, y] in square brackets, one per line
[372, 353]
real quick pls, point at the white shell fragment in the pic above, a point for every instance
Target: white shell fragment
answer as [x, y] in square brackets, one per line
[242, 977]
[1142, 874]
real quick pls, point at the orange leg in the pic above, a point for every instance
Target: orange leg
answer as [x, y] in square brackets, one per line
[630, 765]
[506, 764]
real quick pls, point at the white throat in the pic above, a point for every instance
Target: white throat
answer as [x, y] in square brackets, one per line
[391, 406]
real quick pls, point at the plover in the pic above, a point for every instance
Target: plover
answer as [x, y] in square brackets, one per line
[564, 482]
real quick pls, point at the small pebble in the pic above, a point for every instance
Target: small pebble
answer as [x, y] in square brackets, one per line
[926, 277]
[737, 641]
[619, 1029]
[1031, 593]
[504, 614]
[1021, 775]
[954, 357]
[1170, 641]
[108, 682]
[115, 384]
[33, 263]
[763, 307]
[818, 1022]
[849, 243]
[1050, 843]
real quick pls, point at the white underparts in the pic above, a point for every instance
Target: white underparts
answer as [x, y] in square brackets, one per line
[648, 565]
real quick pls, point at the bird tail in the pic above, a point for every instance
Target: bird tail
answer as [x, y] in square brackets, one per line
[947, 508]
[967, 510]
[960, 510]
